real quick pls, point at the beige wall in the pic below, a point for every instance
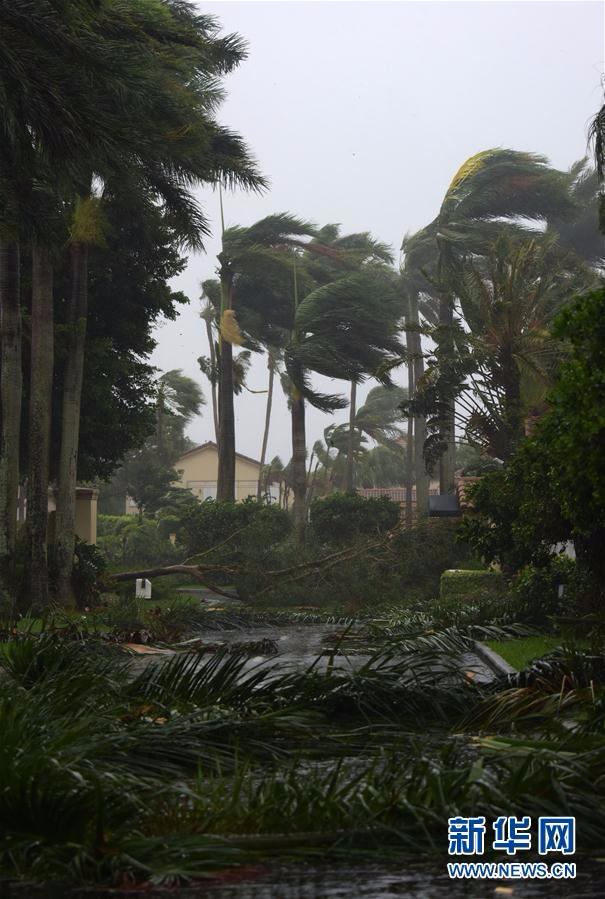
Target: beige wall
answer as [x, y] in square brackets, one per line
[199, 472]
[86, 514]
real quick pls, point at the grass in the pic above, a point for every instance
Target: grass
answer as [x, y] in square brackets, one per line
[523, 650]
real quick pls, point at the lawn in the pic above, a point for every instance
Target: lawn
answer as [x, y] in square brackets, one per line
[522, 650]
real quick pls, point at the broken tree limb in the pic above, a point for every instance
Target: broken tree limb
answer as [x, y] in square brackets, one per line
[199, 572]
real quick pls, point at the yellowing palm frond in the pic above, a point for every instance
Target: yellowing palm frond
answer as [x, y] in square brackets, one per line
[230, 329]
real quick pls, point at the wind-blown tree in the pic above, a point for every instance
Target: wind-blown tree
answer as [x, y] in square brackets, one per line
[580, 234]
[379, 419]
[352, 252]
[507, 358]
[246, 253]
[345, 329]
[138, 89]
[203, 152]
[208, 364]
[494, 191]
[509, 303]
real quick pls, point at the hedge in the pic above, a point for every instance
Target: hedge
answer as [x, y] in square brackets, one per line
[462, 584]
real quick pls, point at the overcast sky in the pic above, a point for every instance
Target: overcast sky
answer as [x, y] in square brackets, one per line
[361, 112]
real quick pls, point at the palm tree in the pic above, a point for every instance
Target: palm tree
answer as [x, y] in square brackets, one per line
[246, 254]
[345, 329]
[179, 144]
[272, 356]
[508, 300]
[352, 252]
[379, 419]
[493, 191]
[208, 364]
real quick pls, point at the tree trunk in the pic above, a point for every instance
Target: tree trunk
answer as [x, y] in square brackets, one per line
[299, 466]
[421, 477]
[350, 470]
[10, 397]
[409, 449]
[263, 452]
[36, 585]
[225, 491]
[213, 381]
[70, 425]
[447, 462]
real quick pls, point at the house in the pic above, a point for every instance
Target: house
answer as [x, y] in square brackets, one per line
[198, 470]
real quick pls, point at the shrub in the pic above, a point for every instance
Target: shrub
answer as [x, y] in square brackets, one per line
[467, 585]
[126, 540]
[231, 530]
[342, 517]
[87, 573]
[535, 591]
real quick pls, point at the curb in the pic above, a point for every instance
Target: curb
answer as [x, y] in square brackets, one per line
[494, 661]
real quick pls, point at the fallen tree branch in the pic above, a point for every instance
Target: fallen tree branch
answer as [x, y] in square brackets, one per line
[196, 571]
[203, 573]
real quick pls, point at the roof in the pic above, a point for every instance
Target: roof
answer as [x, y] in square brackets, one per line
[210, 444]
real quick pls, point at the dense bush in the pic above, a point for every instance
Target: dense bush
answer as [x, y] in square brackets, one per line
[230, 529]
[471, 585]
[537, 597]
[342, 517]
[128, 540]
[553, 488]
[87, 573]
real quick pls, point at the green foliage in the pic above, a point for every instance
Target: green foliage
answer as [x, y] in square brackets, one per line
[471, 586]
[400, 569]
[514, 518]
[536, 593]
[128, 540]
[553, 488]
[89, 566]
[245, 527]
[341, 517]
[240, 537]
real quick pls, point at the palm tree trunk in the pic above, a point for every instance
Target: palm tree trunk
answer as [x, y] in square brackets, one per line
[350, 470]
[447, 462]
[299, 466]
[422, 479]
[225, 491]
[39, 426]
[409, 448]
[263, 452]
[10, 392]
[70, 425]
[213, 381]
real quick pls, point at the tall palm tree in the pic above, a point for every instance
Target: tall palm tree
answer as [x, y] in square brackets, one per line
[245, 253]
[379, 419]
[345, 329]
[272, 357]
[177, 143]
[352, 252]
[493, 191]
[208, 364]
[508, 299]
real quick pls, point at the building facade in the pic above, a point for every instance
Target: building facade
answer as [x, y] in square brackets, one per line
[198, 471]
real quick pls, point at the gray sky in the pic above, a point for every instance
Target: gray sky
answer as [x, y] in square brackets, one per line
[360, 113]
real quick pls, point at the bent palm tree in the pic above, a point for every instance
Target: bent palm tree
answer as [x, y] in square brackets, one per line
[345, 329]
[245, 253]
[494, 191]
